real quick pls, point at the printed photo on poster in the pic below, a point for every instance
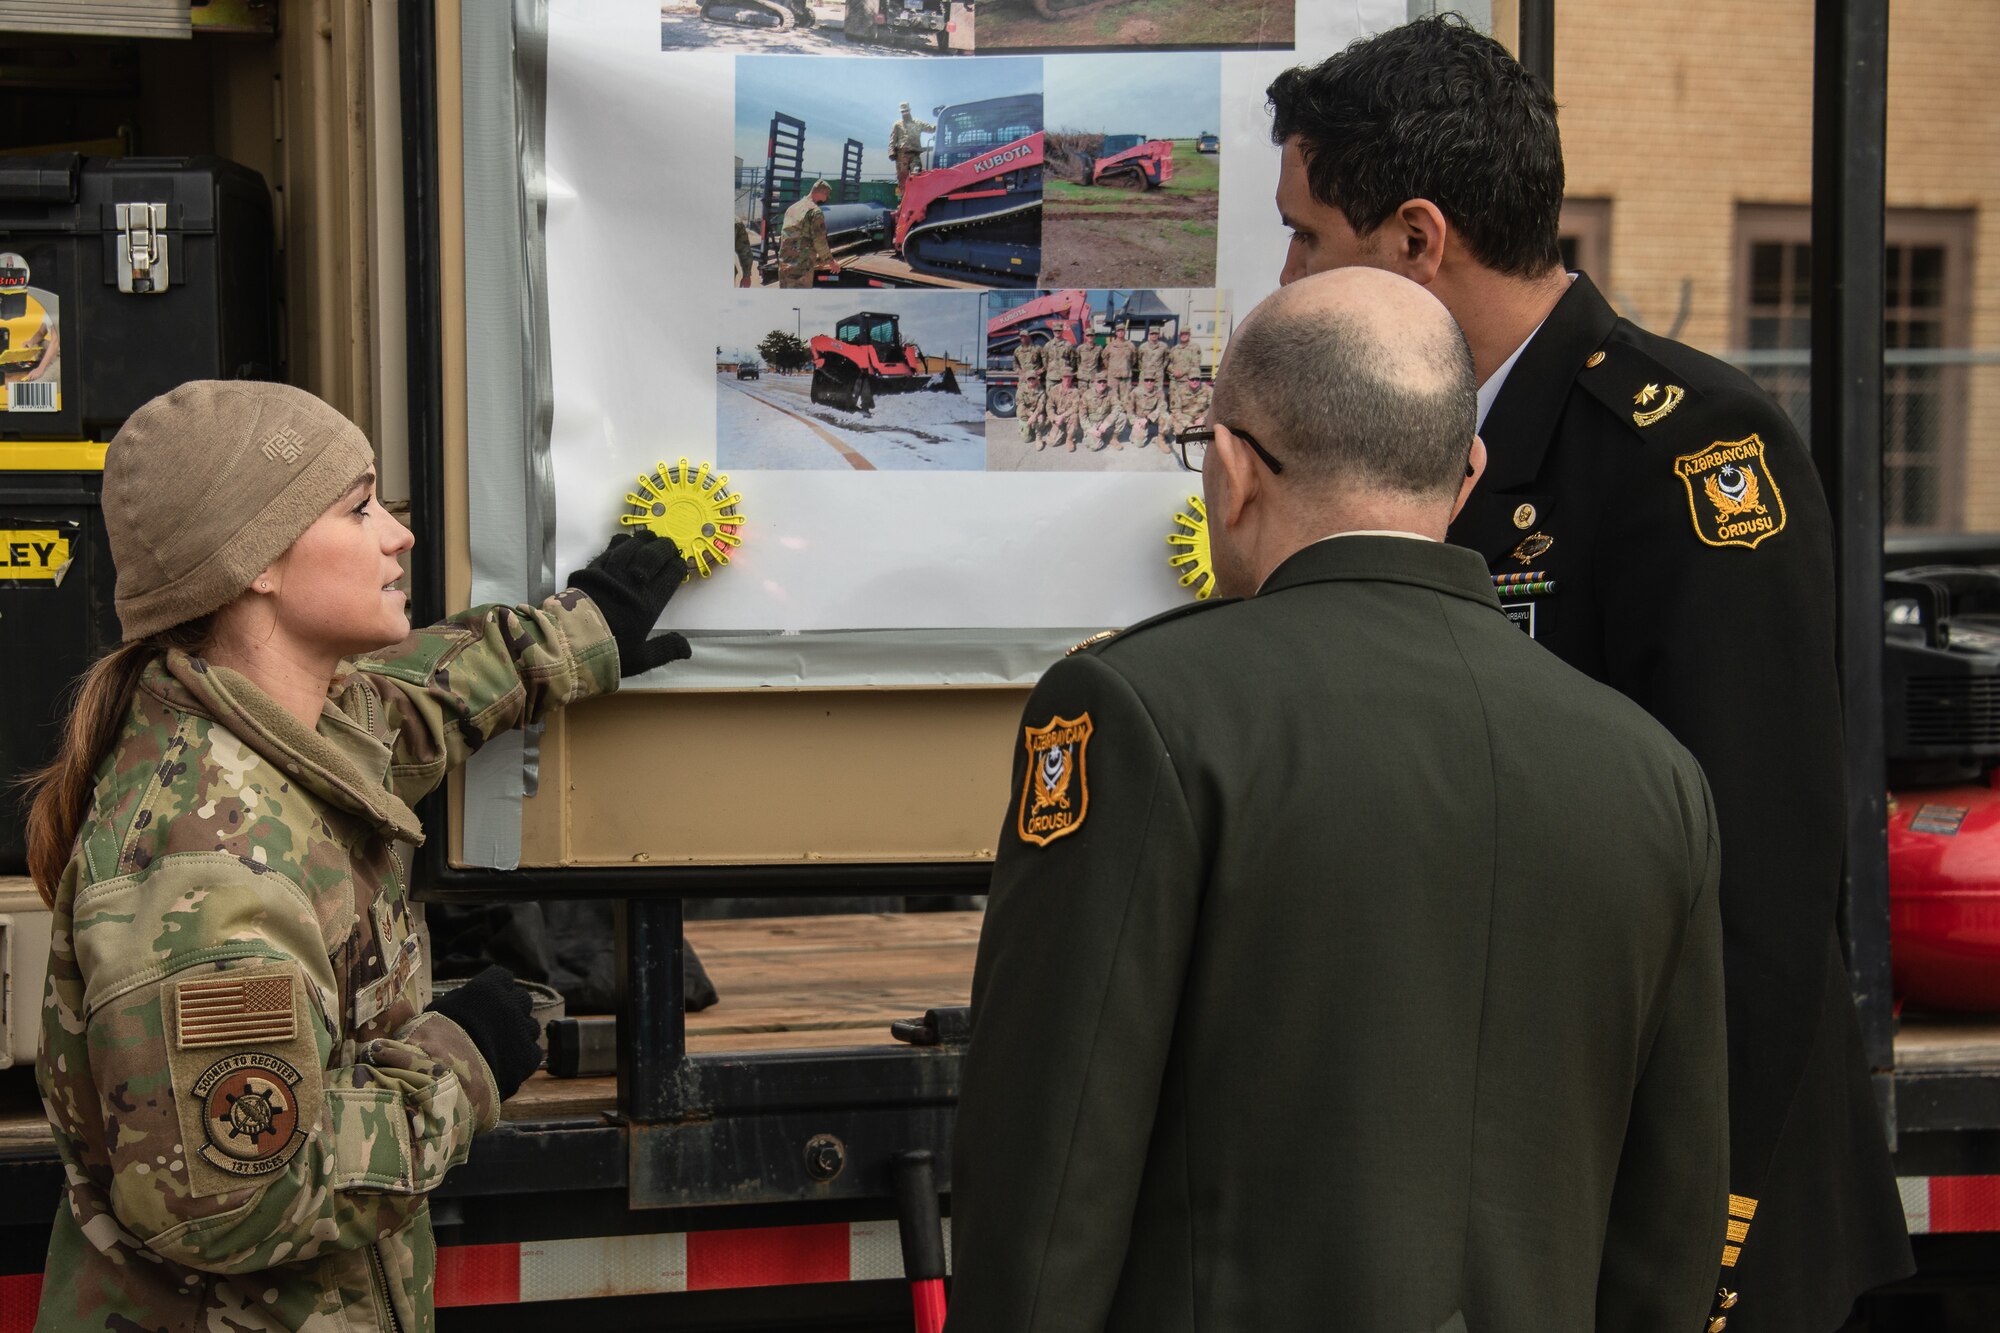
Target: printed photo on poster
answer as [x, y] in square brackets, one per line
[1099, 380]
[819, 27]
[859, 381]
[877, 174]
[963, 27]
[1132, 171]
[1136, 25]
[30, 340]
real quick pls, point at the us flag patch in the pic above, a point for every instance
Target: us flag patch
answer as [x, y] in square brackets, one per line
[234, 1011]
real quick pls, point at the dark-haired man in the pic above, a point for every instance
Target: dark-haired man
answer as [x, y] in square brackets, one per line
[1277, 1018]
[1657, 524]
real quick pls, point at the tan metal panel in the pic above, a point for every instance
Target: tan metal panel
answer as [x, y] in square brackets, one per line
[771, 776]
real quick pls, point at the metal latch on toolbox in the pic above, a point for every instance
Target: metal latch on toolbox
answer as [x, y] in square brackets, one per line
[142, 248]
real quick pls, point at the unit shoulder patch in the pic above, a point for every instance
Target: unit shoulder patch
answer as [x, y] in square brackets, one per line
[1055, 789]
[250, 1113]
[1732, 496]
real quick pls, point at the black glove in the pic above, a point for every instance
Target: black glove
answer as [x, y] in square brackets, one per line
[494, 1013]
[631, 582]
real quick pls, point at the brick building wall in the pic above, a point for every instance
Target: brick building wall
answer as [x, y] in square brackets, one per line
[1681, 112]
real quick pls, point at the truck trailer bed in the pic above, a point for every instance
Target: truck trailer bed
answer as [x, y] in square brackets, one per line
[787, 983]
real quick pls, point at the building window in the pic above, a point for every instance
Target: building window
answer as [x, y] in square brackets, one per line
[1927, 263]
[1585, 238]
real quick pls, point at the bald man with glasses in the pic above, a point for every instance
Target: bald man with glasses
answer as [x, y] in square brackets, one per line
[1351, 962]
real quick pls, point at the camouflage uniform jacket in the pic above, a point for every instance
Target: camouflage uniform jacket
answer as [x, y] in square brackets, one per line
[1183, 361]
[1028, 362]
[1191, 405]
[906, 137]
[1064, 401]
[1117, 365]
[1148, 401]
[250, 1100]
[1058, 359]
[1089, 361]
[1152, 360]
[1102, 414]
[802, 245]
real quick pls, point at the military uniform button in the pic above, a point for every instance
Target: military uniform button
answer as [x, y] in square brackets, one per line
[1596, 360]
[1717, 1324]
[1726, 1299]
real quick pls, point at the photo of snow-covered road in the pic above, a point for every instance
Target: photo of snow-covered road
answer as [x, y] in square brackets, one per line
[773, 423]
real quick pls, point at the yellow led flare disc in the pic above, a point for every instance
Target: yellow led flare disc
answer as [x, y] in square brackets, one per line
[1190, 543]
[692, 506]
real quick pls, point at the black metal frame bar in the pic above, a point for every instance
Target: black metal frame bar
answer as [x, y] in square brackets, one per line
[1536, 39]
[1850, 128]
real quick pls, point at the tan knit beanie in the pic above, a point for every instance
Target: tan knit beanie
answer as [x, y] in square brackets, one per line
[205, 486]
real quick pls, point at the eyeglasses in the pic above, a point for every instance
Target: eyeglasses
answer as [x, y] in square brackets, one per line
[1193, 448]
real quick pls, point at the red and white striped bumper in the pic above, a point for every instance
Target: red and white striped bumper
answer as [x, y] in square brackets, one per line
[1943, 1205]
[647, 1265]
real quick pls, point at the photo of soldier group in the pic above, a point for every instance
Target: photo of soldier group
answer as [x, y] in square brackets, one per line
[963, 27]
[887, 174]
[851, 381]
[1133, 170]
[1098, 380]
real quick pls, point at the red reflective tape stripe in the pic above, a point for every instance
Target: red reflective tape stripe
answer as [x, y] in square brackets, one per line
[927, 1296]
[766, 1256]
[20, 1297]
[479, 1275]
[1965, 1203]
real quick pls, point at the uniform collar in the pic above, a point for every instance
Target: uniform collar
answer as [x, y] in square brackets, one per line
[1523, 418]
[334, 763]
[1363, 558]
[1489, 392]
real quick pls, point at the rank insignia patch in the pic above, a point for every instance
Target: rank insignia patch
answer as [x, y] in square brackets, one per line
[1655, 402]
[1055, 794]
[249, 1113]
[1732, 496]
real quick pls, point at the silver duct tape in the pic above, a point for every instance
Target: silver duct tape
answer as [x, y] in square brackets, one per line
[503, 567]
[531, 85]
[834, 658]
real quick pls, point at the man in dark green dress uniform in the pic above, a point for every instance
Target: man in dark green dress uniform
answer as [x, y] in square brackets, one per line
[1652, 518]
[1351, 962]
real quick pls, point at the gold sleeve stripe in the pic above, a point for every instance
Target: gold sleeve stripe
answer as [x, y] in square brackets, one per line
[1738, 1231]
[1730, 1253]
[1742, 1207]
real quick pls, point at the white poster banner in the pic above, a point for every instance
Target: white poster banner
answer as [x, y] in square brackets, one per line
[900, 483]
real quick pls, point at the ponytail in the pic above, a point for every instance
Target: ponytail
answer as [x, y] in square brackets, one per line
[60, 793]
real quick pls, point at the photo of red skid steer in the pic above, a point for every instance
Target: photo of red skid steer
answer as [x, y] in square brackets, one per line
[977, 213]
[867, 356]
[1133, 162]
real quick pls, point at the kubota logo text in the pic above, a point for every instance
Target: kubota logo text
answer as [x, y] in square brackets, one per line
[1001, 158]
